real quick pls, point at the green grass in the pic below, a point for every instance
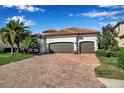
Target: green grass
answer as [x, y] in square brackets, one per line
[108, 60]
[109, 68]
[109, 71]
[7, 58]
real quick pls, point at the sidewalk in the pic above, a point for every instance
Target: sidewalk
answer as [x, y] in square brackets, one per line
[112, 83]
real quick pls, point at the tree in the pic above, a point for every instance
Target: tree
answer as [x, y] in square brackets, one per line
[108, 36]
[34, 44]
[29, 42]
[99, 36]
[8, 37]
[20, 29]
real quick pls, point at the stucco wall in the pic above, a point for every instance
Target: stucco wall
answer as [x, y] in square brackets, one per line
[43, 44]
[120, 29]
[120, 42]
[60, 39]
[54, 39]
[72, 38]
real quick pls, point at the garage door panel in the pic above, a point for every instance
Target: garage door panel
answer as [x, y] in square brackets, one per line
[87, 47]
[61, 47]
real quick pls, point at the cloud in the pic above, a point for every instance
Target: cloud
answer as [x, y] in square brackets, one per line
[71, 15]
[102, 18]
[113, 22]
[105, 23]
[21, 18]
[106, 6]
[28, 8]
[101, 13]
[8, 6]
[111, 6]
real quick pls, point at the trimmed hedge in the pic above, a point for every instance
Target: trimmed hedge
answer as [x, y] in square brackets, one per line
[101, 52]
[109, 53]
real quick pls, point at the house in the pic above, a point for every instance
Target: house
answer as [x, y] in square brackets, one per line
[70, 40]
[3, 45]
[119, 27]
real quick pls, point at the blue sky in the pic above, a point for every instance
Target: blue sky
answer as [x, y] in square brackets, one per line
[43, 17]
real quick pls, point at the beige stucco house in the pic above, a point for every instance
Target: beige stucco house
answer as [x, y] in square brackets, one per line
[69, 40]
[119, 27]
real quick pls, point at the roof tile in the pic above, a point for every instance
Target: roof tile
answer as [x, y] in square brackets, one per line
[71, 31]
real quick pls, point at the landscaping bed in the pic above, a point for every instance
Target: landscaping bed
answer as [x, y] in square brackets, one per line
[7, 58]
[109, 66]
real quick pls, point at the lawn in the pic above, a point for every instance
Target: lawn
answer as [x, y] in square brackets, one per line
[109, 68]
[7, 58]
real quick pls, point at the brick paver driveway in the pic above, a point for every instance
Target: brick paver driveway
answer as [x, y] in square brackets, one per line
[51, 70]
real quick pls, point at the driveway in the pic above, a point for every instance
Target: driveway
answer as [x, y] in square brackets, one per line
[52, 70]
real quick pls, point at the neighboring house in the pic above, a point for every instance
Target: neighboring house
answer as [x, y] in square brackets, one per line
[70, 40]
[3, 45]
[119, 27]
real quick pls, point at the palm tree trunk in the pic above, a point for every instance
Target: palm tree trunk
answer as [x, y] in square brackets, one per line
[12, 50]
[18, 49]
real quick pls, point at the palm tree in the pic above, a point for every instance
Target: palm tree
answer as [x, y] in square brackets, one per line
[20, 29]
[8, 37]
[29, 43]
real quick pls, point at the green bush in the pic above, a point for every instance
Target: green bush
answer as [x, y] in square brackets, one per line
[101, 52]
[121, 49]
[114, 49]
[1, 50]
[117, 53]
[109, 53]
[120, 59]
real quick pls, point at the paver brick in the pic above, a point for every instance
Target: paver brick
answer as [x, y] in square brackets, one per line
[52, 70]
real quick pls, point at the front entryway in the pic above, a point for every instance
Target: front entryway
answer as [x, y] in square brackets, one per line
[61, 47]
[87, 47]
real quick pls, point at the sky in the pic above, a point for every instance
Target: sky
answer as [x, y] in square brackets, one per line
[44, 17]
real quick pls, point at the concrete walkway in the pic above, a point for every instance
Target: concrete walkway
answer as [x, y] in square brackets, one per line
[112, 83]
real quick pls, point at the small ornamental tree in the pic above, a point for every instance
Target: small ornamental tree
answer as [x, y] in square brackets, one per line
[107, 41]
[107, 38]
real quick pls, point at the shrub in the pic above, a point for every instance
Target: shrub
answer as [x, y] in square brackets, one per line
[121, 49]
[114, 49]
[117, 53]
[120, 59]
[109, 53]
[101, 52]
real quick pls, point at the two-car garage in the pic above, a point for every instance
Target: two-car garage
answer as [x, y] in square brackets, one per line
[68, 47]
